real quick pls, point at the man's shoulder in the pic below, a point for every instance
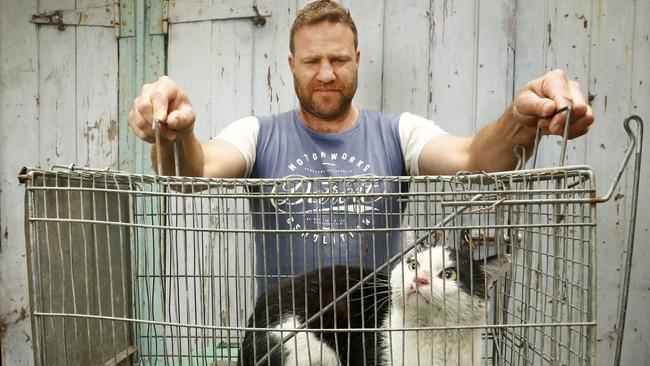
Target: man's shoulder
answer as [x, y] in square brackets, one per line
[387, 119]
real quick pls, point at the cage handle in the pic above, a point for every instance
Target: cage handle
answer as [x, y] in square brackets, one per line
[538, 138]
[156, 129]
[622, 312]
[634, 144]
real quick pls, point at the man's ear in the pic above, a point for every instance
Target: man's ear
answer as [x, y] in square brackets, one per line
[357, 56]
[291, 62]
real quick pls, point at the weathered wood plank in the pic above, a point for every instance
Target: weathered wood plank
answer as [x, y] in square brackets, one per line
[19, 143]
[127, 86]
[610, 69]
[272, 88]
[493, 66]
[453, 65]
[57, 90]
[406, 57]
[96, 99]
[231, 65]
[637, 337]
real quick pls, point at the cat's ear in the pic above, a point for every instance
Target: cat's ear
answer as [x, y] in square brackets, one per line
[410, 236]
[495, 267]
[465, 238]
[465, 241]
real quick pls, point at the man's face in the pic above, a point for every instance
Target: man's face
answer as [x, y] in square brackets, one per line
[324, 66]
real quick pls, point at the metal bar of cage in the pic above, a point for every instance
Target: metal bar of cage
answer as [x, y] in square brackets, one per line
[162, 269]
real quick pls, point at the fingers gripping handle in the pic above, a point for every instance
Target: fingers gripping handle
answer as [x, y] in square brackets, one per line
[565, 136]
[156, 129]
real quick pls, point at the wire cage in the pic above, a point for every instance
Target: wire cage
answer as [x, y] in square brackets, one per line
[138, 269]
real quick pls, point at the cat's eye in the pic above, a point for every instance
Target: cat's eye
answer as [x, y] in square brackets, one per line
[448, 274]
[412, 264]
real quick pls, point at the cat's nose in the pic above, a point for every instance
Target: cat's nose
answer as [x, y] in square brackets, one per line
[421, 281]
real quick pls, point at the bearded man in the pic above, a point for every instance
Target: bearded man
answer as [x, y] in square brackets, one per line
[327, 136]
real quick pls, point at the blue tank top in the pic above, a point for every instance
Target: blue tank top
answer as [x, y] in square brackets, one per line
[286, 148]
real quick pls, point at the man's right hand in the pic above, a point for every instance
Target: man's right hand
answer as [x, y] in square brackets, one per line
[162, 100]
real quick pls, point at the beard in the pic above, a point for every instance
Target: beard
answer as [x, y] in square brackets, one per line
[329, 106]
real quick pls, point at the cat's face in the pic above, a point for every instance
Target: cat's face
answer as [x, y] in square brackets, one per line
[445, 279]
[425, 277]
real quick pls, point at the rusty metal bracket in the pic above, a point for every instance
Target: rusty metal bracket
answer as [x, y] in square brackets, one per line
[175, 11]
[99, 16]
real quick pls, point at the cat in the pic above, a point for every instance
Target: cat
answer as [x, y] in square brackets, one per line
[410, 297]
[437, 287]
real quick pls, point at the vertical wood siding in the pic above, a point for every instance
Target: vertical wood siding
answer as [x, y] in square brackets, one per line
[456, 62]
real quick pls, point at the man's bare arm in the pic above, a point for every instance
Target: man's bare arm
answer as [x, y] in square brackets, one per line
[165, 100]
[492, 149]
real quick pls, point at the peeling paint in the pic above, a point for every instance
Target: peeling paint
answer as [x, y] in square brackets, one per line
[268, 78]
[6, 234]
[549, 34]
[112, 130]
[591, 98]
[12, 317]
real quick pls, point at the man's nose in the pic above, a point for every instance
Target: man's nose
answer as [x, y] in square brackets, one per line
[326, 73]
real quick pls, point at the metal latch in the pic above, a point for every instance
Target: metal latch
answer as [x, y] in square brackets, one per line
[98, 16]
[175, 11]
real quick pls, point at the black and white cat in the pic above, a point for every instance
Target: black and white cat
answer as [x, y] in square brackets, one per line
[439, 287]
[431, 287]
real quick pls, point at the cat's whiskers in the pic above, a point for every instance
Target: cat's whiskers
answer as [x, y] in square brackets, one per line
[371, 295]
[377, 305]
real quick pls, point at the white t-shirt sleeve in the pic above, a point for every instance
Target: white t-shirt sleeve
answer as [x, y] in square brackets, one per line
[414, 133]
[243, 134]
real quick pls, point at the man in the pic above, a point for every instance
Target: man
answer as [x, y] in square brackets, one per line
[326, 136]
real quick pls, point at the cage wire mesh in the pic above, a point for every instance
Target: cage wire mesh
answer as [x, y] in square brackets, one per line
[471, 269]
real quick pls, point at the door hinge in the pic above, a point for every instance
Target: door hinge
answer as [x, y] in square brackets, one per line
[98, 16]
[176, 11]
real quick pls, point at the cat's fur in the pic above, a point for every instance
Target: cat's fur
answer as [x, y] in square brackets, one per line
[305, 296]
[415, 298]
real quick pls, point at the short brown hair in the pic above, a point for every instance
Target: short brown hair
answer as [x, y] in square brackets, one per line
[323, 11]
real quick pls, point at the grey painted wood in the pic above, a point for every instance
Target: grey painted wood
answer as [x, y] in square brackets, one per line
[637, 337]
[19, 143]
[406, 61]
[456, 62]
[611, 77]
[59, 106]
[272, 82]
